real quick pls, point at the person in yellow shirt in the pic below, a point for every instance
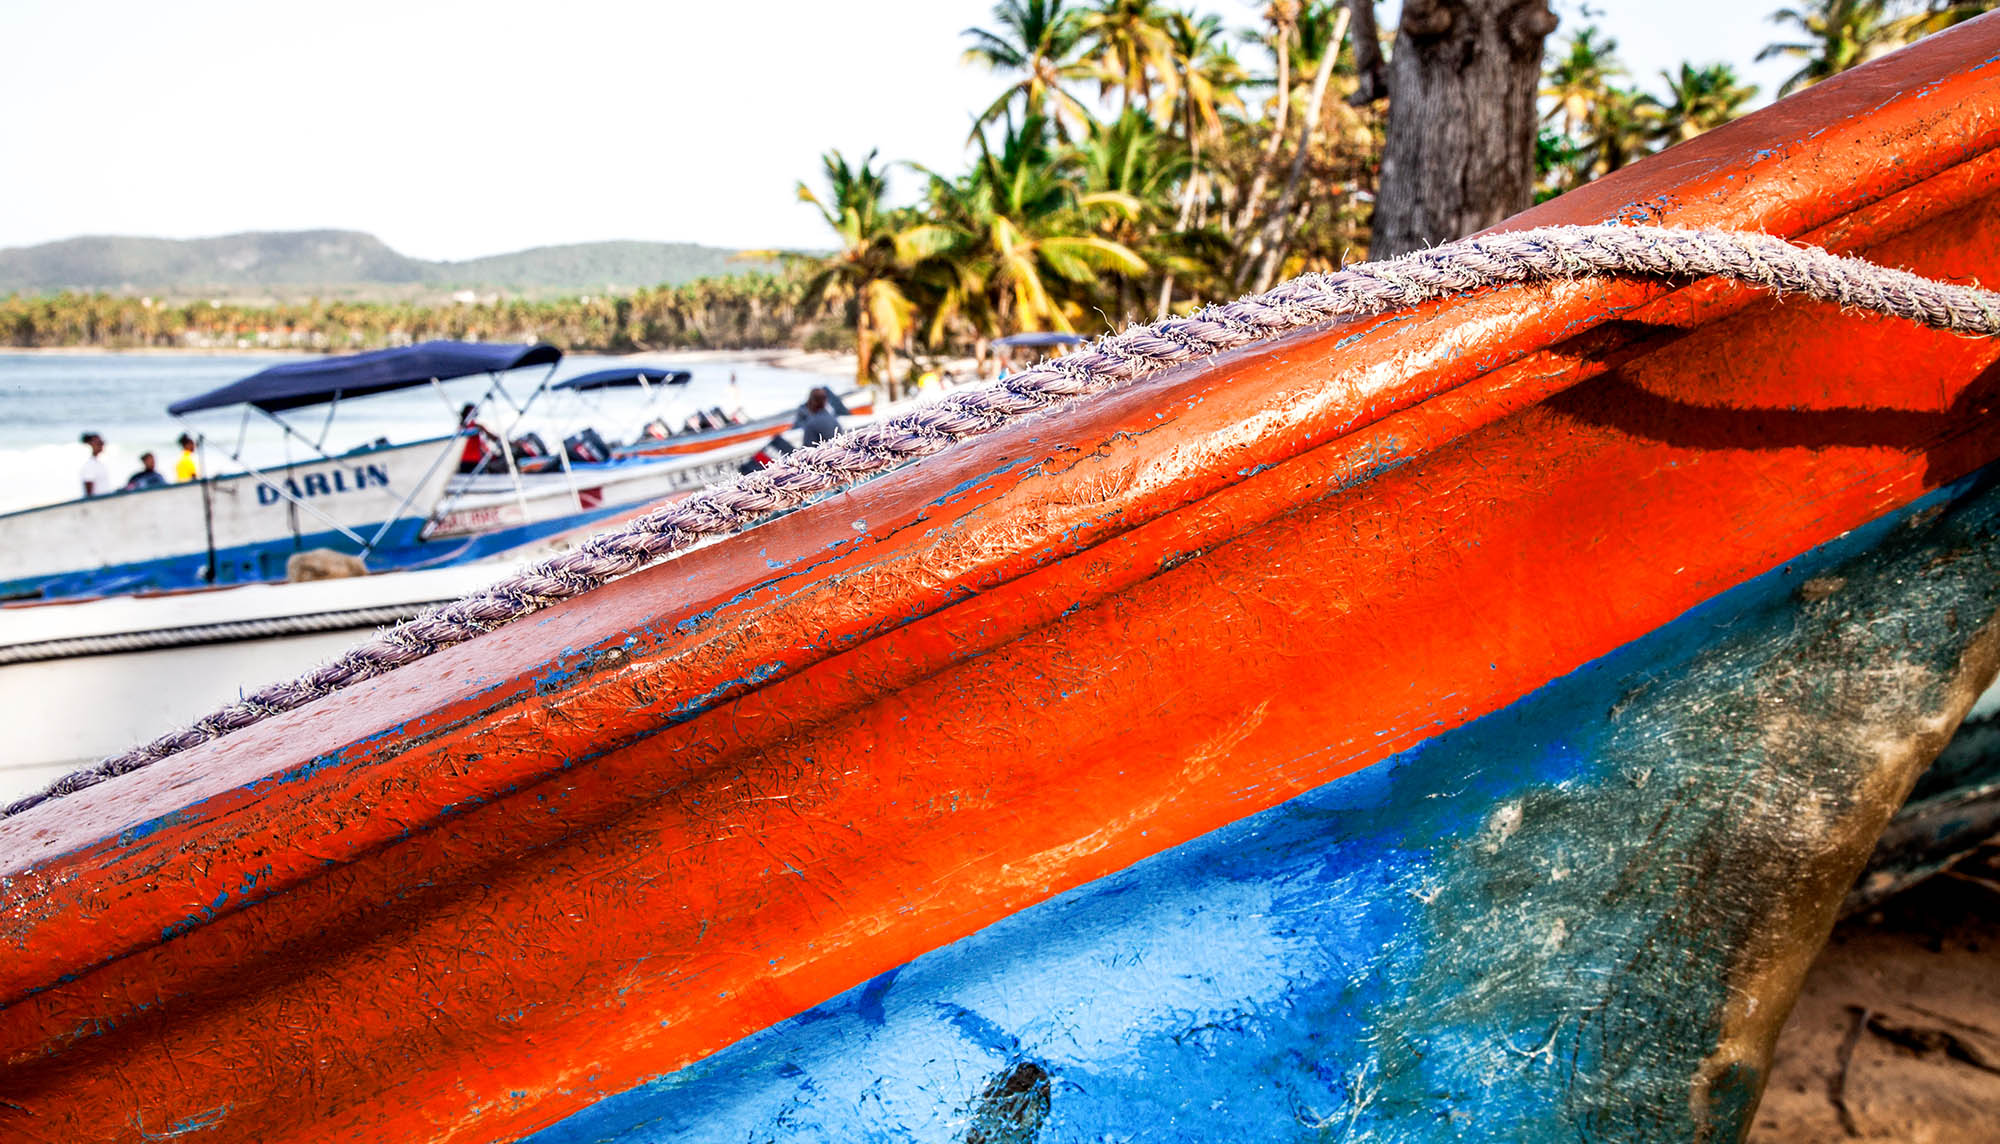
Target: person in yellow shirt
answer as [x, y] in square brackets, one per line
[184, 469]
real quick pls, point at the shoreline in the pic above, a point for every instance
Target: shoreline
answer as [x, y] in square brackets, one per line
[829, 362]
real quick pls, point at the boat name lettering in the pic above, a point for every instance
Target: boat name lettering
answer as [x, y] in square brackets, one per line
[324, 484]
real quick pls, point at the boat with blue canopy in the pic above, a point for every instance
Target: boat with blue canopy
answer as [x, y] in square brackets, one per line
[624, 377]
[243, 526]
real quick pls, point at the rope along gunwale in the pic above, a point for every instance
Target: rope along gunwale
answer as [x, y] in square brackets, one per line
[1467, 266]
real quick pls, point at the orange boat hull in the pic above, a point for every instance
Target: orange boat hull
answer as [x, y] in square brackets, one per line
[525, 877]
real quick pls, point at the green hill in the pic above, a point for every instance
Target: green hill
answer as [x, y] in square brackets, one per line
[608, 266]
[290, 265]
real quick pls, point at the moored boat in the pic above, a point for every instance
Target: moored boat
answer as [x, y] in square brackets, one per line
[1464, 721]
[397, 505]
[83, 678]
[720, 434]
[586, 474]
[244, 526]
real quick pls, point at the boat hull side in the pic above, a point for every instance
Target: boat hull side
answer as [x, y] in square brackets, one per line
[600, 845]
[1583, 916]
[159, 539]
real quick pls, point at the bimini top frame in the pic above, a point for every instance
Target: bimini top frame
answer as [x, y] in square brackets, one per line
[298, 385]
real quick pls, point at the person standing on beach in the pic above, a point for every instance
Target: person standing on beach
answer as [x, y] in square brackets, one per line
[817, 419]
[732, 400]
[96, 478]
[184, 469]
[148, 476]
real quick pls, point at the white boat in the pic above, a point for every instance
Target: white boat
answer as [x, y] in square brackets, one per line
[584, 473]
[82, 679]
[484, 502]
[237, 528]
[398, 506]
[243, 527]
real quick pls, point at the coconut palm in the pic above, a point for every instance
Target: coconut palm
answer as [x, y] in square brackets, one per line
[1129, 43]
[1838, 35]
[1317, 40]
[1700, 99]
[1577, 79]
[1131, 159]
[1625, 126]
[1041, 40]
[1206, 74]
[865, 275]
[1019, 228]
[1282, 17]
[1207, 80]
[1937, 15]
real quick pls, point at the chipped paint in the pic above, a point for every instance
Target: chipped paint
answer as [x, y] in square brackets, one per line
[516, 871]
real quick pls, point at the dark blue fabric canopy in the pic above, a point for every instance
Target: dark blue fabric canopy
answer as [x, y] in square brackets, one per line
[1040, 340]
[624, 375]
[301, 383]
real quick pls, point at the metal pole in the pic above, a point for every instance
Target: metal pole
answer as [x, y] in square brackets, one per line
[207, 479]
[450, 448]
[327, 425]
[291, 433]
[291, 500]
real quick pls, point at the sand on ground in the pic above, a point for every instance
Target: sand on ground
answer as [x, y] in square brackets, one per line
[1896, 1035]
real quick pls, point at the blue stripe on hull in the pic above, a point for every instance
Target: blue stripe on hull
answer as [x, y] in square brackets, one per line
[402, 548]
[1516, 931]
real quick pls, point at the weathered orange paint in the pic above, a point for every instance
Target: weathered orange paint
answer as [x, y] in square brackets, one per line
[508, 881]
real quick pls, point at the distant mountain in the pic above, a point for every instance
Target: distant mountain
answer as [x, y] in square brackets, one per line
[345, 263]
[593, 265]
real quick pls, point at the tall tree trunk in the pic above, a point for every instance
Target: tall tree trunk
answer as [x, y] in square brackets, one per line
[864, 350]
[890, 381]
[1460, 154]
[1282, 45]
[1188, 188]
[1371, 78]
[1272, 235]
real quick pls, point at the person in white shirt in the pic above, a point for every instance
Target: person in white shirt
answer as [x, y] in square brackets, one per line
[96, 478]
[732, 400]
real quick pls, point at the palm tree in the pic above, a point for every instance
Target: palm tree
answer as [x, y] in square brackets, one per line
[1937, 15]
[1206, 83]
[865, 275]
[1700, 99]
[1283, 18]
[1131, 163]
[1626, 124]
[1206, 75]
[1578, 79]
[1319, 36]
[1131, 49]
[1839, 34]
[1018, 228]
[1039, 39]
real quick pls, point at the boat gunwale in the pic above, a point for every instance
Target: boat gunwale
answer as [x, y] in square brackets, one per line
[78, 839]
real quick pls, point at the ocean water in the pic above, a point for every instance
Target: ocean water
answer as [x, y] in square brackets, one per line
[48, 400]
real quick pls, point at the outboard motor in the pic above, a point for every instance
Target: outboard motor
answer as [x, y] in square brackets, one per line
[773, 449]
[585, 447]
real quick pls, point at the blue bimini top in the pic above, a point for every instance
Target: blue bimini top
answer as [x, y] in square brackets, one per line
[624, 375]
[302, 383]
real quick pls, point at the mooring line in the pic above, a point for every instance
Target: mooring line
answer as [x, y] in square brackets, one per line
[1468, 266]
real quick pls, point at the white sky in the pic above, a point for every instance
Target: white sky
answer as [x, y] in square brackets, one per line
[453, 129]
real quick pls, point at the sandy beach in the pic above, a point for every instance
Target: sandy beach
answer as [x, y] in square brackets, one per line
[1896, 1034]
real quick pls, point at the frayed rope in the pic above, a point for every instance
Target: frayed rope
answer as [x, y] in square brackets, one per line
[1464, 267]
